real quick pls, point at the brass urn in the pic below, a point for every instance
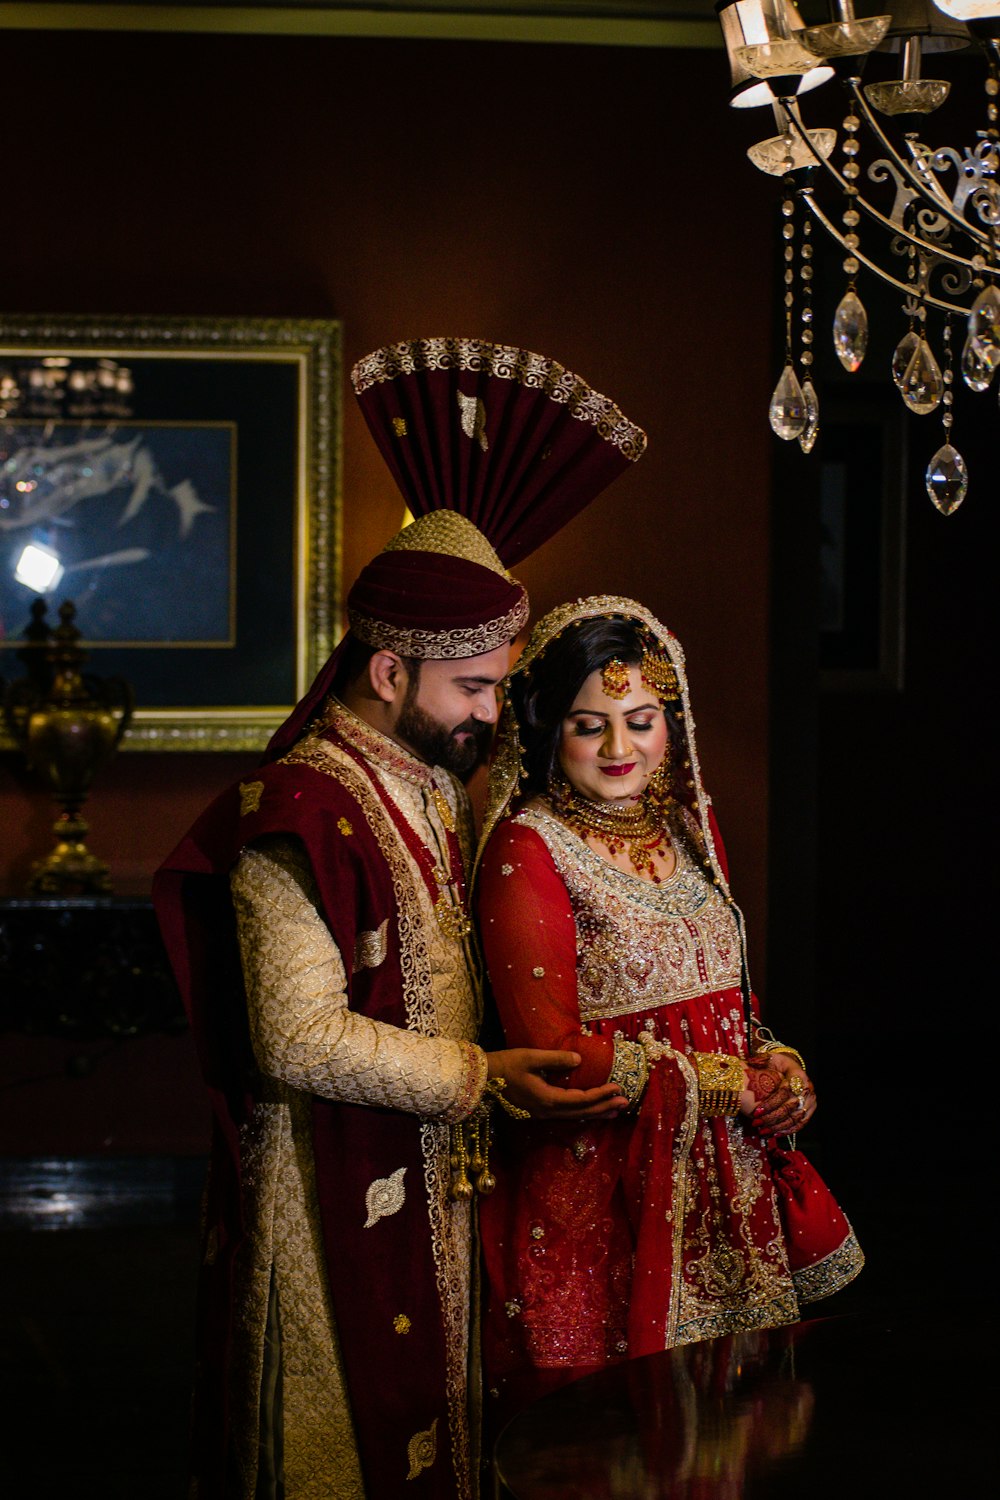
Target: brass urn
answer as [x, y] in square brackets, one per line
[68, 723]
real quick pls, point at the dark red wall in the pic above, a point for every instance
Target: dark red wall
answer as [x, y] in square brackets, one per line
[555, 197]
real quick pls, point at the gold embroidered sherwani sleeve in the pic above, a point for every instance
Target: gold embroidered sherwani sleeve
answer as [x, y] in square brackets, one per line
[302, 1030]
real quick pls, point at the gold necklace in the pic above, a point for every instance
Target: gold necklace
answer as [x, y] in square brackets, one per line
[638, 829]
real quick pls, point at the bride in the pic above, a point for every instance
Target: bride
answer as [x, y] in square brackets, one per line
[609, 930]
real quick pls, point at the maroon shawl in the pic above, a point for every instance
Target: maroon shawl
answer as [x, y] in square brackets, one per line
[395, 1384]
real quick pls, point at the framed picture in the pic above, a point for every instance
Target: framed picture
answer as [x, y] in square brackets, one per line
[862, 483]
[179, 481]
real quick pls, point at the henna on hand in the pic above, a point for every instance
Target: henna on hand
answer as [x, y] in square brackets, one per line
[786, 1110]
[761, 1080]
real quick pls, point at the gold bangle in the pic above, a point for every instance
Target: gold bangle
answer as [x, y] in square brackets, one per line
[721, 1081]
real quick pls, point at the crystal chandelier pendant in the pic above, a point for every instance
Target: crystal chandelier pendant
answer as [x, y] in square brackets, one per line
[947, 479]
[809, 434]
[984, 328]
[977, 371]
[905, 350]
[787, 412]
[850, 331]
[923, 384]
[985, 313]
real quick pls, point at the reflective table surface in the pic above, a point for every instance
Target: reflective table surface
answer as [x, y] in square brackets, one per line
[851, 1407]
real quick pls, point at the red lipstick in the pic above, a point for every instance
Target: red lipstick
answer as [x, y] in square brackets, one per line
[617, 770]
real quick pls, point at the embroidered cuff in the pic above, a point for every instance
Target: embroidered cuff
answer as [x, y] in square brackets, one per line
[471, 1085]
[629, 1069]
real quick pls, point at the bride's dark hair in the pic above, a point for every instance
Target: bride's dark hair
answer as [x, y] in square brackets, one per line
[542, 695]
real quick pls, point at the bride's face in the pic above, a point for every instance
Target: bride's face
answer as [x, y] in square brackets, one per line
[610, 747]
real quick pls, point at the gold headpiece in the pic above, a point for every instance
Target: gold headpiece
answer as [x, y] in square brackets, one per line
[615, 681]
[659, 676]
[448, 532]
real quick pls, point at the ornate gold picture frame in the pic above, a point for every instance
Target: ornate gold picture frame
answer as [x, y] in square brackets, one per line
[181, 476]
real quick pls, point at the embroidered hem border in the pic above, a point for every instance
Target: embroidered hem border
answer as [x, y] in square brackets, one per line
[831, 1273]
[771, 1314]
[504, 362]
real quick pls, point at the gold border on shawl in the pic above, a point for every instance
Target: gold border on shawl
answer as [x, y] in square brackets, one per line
[416, 931]
[686, 1134]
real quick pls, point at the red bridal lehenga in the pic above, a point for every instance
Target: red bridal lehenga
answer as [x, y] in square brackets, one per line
[614, 1239]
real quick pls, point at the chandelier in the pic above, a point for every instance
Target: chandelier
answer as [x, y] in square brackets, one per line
[924, 220]
[56, 388]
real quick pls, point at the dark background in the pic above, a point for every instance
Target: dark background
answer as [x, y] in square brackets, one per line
[594, 204]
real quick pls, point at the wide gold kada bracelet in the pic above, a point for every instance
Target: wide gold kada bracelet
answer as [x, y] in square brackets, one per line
[721, 1081]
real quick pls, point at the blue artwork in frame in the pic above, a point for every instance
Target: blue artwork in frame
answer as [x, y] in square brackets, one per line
[142, 520]
[184, 475]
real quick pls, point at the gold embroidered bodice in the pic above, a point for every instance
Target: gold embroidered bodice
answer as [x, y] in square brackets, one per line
[641, 945]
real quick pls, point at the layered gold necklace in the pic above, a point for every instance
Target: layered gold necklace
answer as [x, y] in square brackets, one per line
[637, 828]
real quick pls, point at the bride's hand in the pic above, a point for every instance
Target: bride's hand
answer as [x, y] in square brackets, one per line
[526, 1086]
[783, 1099]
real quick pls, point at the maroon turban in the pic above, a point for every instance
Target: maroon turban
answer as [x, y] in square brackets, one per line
[494, 449]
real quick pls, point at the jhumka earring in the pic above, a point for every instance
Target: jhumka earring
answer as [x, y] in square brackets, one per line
[659, 788]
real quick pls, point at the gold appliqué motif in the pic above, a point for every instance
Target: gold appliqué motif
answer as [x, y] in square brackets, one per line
[344, 827]
[399, 427]
[385, 1196]
[421, 1450]
[401, 1323]
[250, 795]
[473, 418]
[444, 811]
[371, 948]
[451, 918]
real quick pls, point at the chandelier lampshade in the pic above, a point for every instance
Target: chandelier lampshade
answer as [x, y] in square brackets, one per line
[765, 27]
[920, 218]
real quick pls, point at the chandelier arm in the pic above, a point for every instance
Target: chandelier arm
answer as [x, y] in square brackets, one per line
[926, 298]
[924, 184]
[942, 252]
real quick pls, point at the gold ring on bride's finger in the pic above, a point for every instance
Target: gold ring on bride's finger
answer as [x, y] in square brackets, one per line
[796, 1085]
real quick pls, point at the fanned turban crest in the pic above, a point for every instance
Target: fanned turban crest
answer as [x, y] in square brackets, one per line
[494, 449]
